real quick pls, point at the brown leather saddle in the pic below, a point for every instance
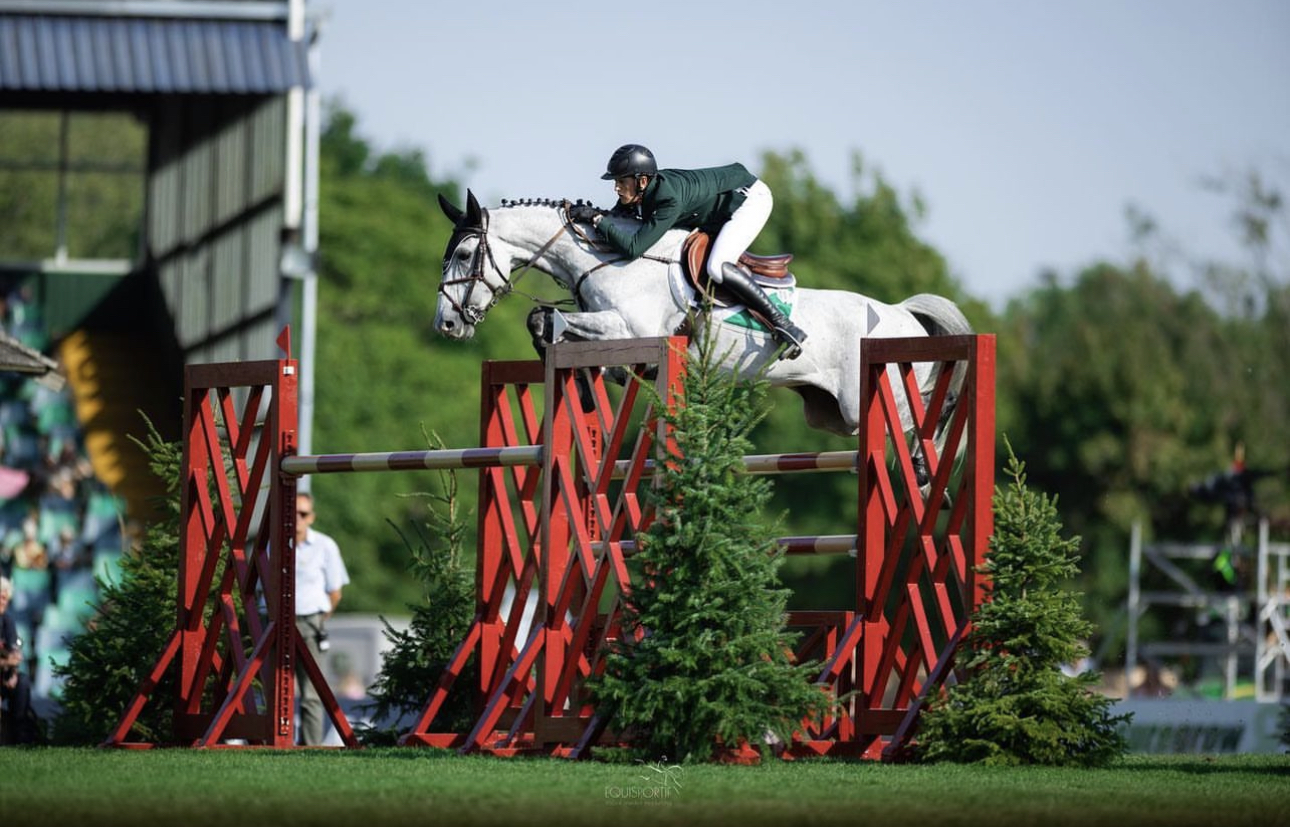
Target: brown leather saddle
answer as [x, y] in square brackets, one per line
[771, 272]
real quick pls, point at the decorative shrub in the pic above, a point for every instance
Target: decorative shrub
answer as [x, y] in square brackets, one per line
[1016, 706]
[419, 654]
[136, 615]
[712, 669]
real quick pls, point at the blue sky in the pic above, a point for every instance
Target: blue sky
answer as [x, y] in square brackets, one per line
[1027, 127]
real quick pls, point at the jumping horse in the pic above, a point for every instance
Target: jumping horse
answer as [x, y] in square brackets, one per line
[491, 249]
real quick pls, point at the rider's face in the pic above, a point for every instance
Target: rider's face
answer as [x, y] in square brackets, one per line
[629, 189]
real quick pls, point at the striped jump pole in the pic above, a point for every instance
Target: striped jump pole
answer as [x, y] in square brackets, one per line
[437, 459]
[776, 464]
[799, 544]
[532, 455]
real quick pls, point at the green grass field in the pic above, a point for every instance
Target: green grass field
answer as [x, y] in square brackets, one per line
[377, 787]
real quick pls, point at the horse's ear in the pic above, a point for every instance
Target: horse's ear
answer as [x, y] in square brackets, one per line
[474, 215]
[451, 210]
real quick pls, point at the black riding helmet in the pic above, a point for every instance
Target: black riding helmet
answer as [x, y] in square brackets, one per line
[630, 159]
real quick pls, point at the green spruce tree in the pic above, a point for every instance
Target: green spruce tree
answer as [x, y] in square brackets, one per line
[135, 617]
[1016, 706]
[712, 668]
[420, 653]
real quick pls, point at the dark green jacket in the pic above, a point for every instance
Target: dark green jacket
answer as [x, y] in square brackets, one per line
[686, 198]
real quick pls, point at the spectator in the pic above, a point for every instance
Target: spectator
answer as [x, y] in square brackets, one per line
[320, 575]
[14, 686]
[32, 580]
[65, 552]
[30, 553]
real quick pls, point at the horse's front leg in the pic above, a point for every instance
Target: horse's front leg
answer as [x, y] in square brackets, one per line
[547, 325]
[599, 326]
[556, 326]
[541, 328]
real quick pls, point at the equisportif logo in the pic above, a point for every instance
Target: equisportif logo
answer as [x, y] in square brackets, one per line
[659, 784]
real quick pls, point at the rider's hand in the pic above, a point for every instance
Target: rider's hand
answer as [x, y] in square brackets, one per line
[585, 213]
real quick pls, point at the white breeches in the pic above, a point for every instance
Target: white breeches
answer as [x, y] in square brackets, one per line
[741, 230]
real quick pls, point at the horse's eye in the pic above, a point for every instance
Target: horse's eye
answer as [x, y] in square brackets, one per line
[463, 255]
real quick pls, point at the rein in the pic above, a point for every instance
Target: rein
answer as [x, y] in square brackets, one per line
[474, 315]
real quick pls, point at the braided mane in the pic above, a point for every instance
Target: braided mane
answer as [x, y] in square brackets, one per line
[544, 202]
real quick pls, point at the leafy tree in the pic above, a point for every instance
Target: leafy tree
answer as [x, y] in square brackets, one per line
[136, 615]
[1016, 706]
[1124, 392]
[383, 371]
[103, 191]
[868, 245]
[711, 664]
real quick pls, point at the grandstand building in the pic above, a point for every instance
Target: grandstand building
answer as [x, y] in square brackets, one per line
[158, 192]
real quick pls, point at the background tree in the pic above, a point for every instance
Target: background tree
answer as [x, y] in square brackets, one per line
[1123, 393]
[387, 372]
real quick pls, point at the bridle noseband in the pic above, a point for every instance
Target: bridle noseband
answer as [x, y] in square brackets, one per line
[474, 315]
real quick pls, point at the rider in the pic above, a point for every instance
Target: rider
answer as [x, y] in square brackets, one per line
[729, 202]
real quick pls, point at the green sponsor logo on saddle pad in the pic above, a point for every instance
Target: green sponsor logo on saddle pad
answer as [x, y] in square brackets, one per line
[746, 320]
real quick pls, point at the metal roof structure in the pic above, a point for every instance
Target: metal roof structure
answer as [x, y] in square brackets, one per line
[226, 92]
[15, 357]
[56, 53]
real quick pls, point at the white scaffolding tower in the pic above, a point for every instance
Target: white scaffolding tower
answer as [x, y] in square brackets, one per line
[1255, 617]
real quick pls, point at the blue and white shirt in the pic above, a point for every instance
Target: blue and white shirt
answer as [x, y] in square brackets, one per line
[319, 572]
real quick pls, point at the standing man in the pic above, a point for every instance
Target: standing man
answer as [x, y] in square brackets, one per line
[320, 575]
[14, 685]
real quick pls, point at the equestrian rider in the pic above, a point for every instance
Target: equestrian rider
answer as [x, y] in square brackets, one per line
[728, 202]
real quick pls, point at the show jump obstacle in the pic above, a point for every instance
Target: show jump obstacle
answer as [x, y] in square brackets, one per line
[561, 504]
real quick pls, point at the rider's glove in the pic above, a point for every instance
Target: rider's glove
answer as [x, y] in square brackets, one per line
[584, 212]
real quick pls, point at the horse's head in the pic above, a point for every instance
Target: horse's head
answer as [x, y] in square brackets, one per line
[475, 273]
[489, 253]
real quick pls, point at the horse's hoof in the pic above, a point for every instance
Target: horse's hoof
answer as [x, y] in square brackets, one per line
[537, 326]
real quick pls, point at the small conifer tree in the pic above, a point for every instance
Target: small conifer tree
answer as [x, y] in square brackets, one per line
[1016, 706]
[712, 668]
[420, 653]
[109, 660]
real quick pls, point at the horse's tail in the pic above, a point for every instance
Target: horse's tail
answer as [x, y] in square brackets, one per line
[938, 315]
[941, 317]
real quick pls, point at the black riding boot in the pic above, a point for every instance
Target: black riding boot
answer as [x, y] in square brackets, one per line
[741, 283]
